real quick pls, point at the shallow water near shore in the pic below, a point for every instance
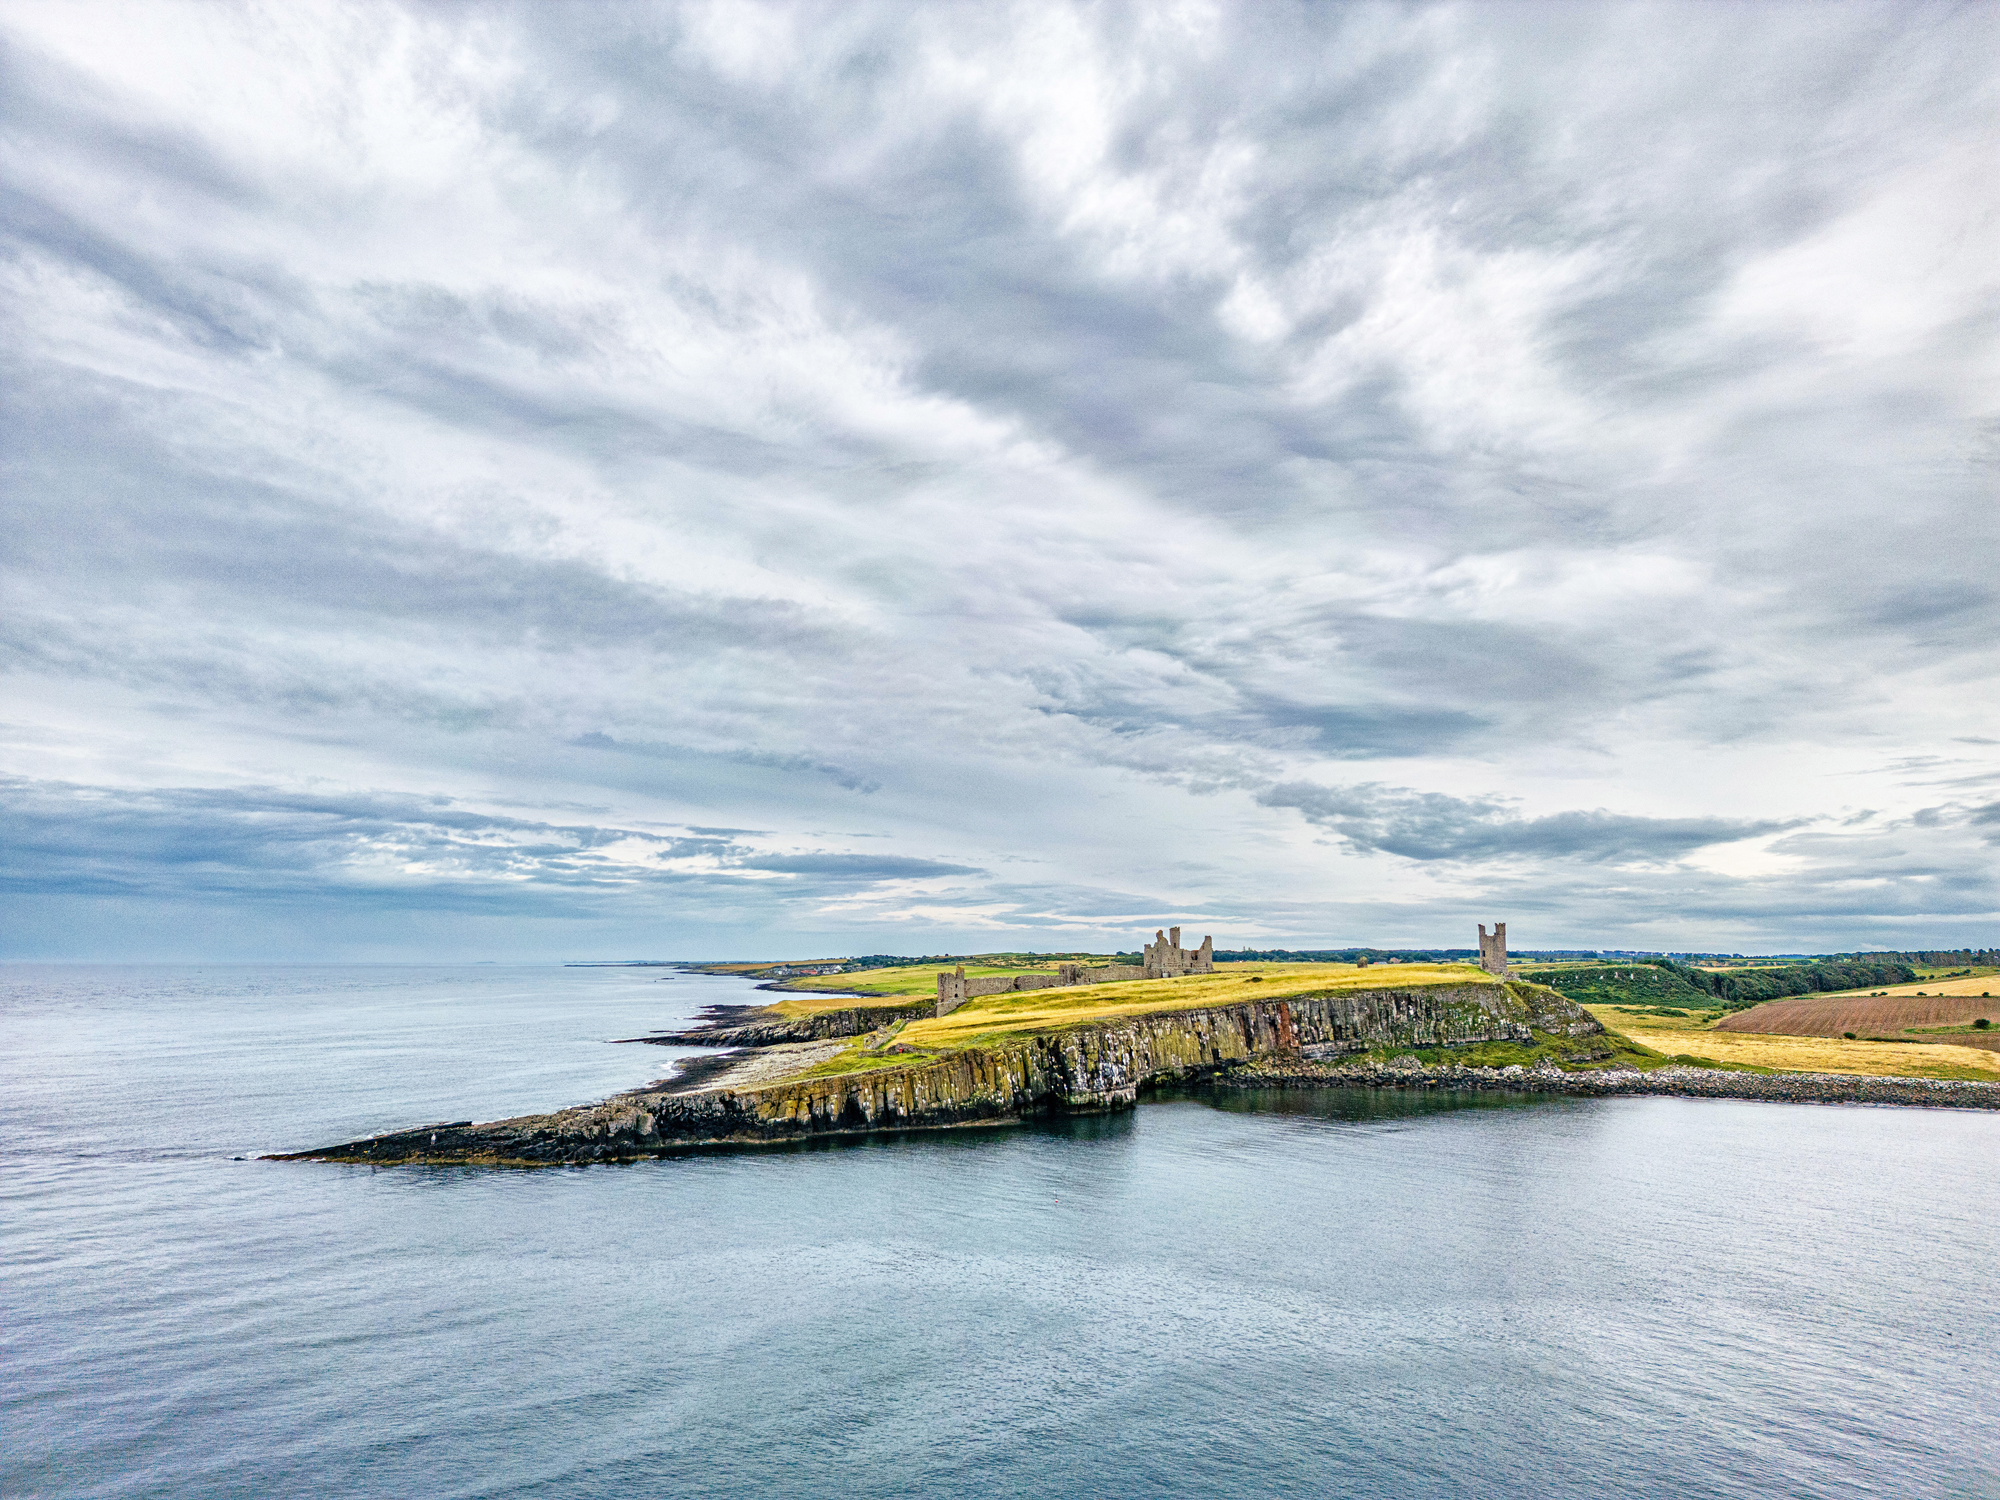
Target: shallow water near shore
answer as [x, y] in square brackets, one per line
[1359, 1292]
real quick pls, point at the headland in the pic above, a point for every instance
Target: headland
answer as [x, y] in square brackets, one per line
[919, 1049]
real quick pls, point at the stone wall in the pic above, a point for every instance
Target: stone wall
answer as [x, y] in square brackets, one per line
[1114, 974]
[1165, 958]
[955, 989]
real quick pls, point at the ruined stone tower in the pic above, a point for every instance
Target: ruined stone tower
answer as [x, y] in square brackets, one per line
[1493, 950]
[1165, 958]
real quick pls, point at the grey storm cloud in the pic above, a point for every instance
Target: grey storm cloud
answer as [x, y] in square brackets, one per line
[96, 840]
[596, 740]
[1987, 817]
[858, 866]
[1431, 826]
[458, 455]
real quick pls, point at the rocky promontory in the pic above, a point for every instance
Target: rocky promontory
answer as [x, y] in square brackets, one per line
[1080, 1065]
[1002, 1058]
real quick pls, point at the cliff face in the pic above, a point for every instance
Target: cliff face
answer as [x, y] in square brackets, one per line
[1089, 1066]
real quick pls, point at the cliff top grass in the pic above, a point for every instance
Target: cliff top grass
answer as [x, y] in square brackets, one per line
[991, 1017]
[812, 993]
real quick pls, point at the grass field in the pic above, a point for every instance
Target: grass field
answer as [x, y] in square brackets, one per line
[1975, 986]
[1799, 1054]
[994, 1016]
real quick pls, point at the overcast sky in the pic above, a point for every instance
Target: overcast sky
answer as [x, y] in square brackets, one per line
[725, 479]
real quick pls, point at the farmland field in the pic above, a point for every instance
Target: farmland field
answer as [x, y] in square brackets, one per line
[1864, 1015]
[1802, 1054]
[1977, 986]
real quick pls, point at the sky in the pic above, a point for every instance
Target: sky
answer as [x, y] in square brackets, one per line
[691, 481]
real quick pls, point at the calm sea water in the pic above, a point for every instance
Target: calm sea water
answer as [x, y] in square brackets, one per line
[1310, 1295]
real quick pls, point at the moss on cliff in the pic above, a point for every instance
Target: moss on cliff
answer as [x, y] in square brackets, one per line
[1569, 1053]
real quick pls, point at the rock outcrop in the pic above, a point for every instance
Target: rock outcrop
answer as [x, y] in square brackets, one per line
[1091, 1065]
[766, 1026]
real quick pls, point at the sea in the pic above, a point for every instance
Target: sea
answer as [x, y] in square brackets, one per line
[1342, 1293]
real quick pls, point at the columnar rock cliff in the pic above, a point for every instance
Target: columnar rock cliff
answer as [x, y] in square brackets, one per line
[1092, 1065]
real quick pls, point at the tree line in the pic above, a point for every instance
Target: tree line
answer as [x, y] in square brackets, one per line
[1739, 989]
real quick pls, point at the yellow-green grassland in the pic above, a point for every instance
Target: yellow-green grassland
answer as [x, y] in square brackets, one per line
[988, 1020]
[1695, 1035]
[1641, 1036]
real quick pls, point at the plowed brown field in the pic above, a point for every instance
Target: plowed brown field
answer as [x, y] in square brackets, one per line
[1864, 1015]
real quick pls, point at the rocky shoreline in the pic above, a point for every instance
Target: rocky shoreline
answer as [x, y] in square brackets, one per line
[760, 1026]
[1681, 1082]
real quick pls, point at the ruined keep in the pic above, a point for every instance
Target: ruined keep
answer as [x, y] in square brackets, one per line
[1164, 958]
[1493, 950]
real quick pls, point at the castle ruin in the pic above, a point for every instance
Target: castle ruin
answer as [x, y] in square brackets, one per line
[1163, 958]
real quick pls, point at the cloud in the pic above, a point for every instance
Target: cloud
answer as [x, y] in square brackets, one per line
[1070, 439]
[599, 741]
[1432, 826]
[858, 866]
[262, 844]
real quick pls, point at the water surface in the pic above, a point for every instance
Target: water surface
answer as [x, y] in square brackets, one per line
[1363, 1294]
